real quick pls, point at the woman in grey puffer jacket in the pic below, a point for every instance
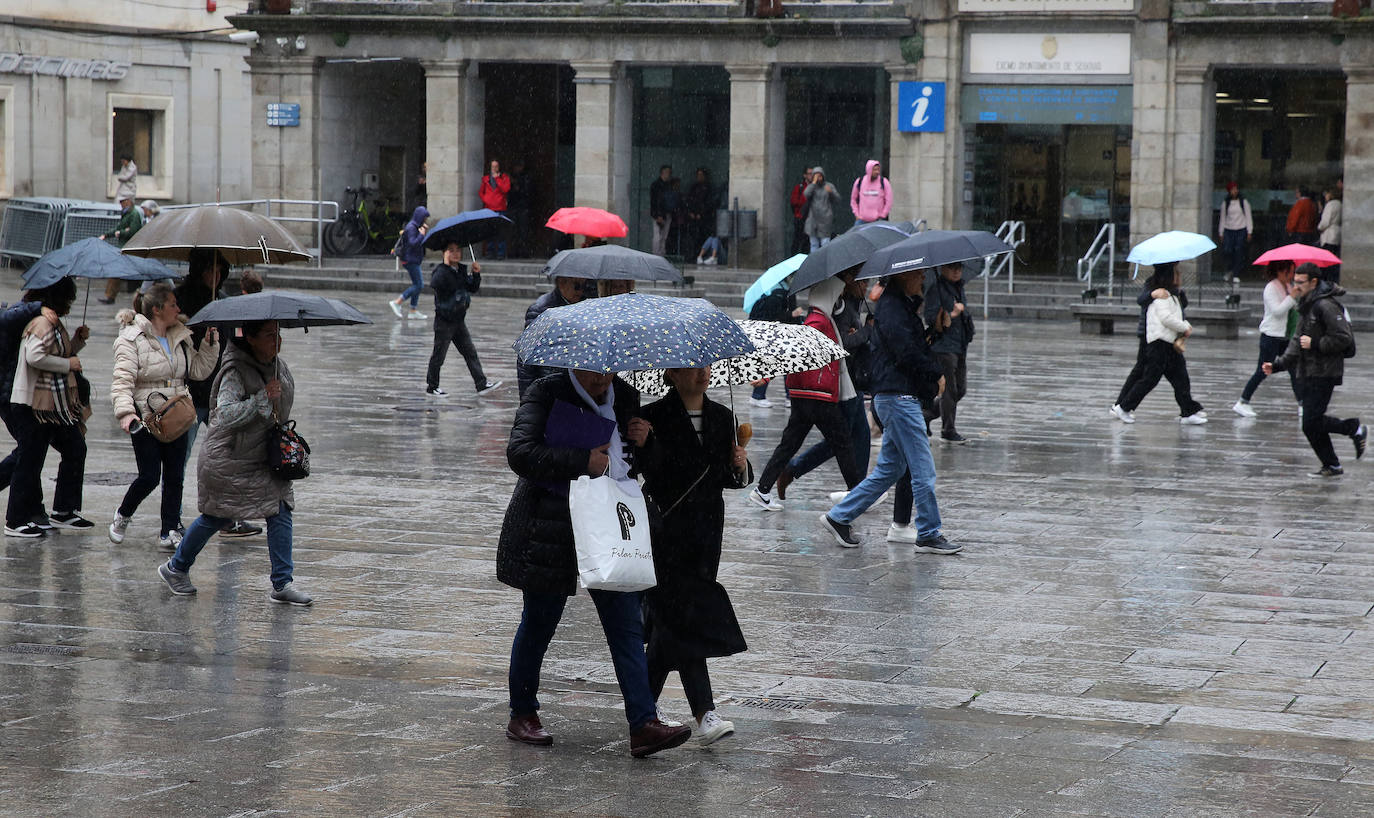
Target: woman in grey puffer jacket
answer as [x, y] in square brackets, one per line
[253, 392]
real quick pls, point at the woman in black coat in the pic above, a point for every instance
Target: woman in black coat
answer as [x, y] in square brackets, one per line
[689, 459]
[536, 553]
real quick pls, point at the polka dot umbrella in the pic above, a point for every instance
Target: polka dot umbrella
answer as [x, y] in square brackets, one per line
[632, 331]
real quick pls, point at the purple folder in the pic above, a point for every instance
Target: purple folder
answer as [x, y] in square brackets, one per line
[569, 427]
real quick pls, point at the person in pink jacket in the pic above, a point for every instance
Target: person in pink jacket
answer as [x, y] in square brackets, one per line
[871, 196]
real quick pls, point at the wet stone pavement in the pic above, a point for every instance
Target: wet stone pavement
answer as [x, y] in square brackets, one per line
[1146, 620]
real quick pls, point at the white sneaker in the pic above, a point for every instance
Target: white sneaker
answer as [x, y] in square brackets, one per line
[700, 260]
[838, 496]
[667, 722]
[787, 403]
[713, 728]
[902, 533]
[395, 307]
[765, 501]
[118, 527]
[1122, 414]
[760, 403]
[170, 540]
[435, 392]
[1243, 409]
[1196, 419]
[710, 261]
[416, 315]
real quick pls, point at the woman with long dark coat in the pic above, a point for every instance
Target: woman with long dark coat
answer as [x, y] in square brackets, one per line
[689, 459]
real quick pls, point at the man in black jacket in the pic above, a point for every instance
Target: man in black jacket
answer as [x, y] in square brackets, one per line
[453, 289]
[904, 377]
[950, 344]
[1317, 350]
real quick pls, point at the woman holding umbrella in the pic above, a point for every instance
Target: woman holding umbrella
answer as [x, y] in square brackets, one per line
[154, 354]
[253, 393]
[1278, 306]
[689, 458]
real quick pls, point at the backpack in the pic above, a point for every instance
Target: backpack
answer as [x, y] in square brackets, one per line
[1350, 350]
[400, 246]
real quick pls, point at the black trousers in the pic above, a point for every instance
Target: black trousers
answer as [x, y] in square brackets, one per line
[26, 488]
[157, 461]
[955, 369]
[1163, 361]
[456, 333]
[1318, 426]
[696, 683]
[834, 427]
[1134, 376]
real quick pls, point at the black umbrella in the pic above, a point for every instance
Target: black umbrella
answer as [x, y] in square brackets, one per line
[933, 248]
[288, 309]
[92, 258]
[468, 227]
[611, 261]
[847, 251]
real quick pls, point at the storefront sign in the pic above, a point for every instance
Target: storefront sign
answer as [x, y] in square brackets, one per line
[1047, 104]
[284, 114]
[1007, 6]
[922, 107]
[11, 63]
[997, 53]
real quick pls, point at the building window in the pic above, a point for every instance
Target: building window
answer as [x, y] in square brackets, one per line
[134, 135]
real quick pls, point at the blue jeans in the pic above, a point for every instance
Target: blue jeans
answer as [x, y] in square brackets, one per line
[278, 543]
[817, 242]
[622, 621]
[417, 285]
[905, 447]
[761, 391]
[854, 412]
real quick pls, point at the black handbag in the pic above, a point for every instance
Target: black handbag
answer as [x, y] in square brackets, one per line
[288, 455]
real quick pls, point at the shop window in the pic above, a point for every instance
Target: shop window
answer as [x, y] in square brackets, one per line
[134, 132]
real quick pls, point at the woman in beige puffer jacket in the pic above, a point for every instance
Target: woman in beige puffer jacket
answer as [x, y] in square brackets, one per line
[154, 355]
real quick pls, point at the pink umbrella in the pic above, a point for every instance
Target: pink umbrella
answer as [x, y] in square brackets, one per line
[1300, 254]
[588, 221]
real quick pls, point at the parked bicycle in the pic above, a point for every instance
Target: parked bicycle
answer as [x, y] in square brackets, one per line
[359, 229]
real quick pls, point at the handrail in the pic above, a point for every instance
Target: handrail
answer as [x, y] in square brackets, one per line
[921, 226]
[1014, 234]
[1104, 244]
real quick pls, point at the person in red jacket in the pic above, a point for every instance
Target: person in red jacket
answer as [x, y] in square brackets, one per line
[494, 193]
[800, 243]
[1302, 219]
[815, 398]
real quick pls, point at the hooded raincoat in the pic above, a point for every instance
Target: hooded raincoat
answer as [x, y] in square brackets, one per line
[870, 200]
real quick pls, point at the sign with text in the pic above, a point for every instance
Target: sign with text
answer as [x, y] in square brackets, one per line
[1006, 6]
[921, 106]
[1076, 53]
[112, 70]
[284, 114]
[1047, 104]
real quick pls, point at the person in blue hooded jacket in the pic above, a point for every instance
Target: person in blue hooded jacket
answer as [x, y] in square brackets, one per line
[412, 255]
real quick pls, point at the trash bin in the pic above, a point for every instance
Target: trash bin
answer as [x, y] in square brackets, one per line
[746, 220]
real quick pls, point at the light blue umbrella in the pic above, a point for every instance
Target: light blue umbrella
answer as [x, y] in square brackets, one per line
[92, 258]
[771, 278]
[1166, 248]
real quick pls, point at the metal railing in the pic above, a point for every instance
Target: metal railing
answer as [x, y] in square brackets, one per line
[1014, 234]
[1104, 244]
[319, 219]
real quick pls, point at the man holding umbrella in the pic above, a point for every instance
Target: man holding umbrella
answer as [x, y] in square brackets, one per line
[453, 289]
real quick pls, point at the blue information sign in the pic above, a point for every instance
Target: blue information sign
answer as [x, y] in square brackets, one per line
[1048, 104]
[284, 114]
[921, 107]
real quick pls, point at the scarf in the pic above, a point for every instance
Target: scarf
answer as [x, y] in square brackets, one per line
[55, 397]
[619, 470]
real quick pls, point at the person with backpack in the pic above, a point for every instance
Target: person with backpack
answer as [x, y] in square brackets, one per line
[410, 249]
[453, 288]
[1235, 227]
[1317, 351]
[946, 309]
[871, 196]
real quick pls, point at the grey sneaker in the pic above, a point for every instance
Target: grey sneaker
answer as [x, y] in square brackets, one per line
[291, 595]
[938, 545]
[170, 540]
[178, 581]
[118, 527]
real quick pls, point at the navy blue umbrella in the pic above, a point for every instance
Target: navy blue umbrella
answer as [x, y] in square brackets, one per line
[632, 331]
[468, 227]
[932, 248]
[92, 258]
[611, 261]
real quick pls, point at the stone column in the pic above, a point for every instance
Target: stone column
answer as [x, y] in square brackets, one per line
[286, 160]
[1190, 195]
[1149, 126]
[445, 106]
[756, 164]
[601, 154]
[1357, 205]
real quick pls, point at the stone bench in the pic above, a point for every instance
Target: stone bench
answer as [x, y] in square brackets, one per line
[1217, 322]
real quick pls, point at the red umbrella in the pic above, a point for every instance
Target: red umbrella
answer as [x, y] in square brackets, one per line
[588, 221]
[1300, 254]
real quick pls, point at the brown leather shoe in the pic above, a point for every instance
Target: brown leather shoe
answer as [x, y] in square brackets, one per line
[528, 730]
[784, 480]
[655, 736]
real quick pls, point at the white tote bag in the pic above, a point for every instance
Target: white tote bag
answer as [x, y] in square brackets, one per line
[611, 531]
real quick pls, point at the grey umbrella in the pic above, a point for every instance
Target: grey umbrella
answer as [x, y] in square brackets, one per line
[240, 236]
[288, 309]
[611, 261]
[933, 248]
[847, 251]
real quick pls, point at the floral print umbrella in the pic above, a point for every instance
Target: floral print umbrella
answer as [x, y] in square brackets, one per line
[631, 331]
[779, 349]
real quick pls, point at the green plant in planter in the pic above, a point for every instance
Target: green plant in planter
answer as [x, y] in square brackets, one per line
[913, 48]
[340, 38]
[771, 40]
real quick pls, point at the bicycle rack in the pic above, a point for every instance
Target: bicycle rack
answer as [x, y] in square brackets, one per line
[1104, 244]
[1014, 234]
